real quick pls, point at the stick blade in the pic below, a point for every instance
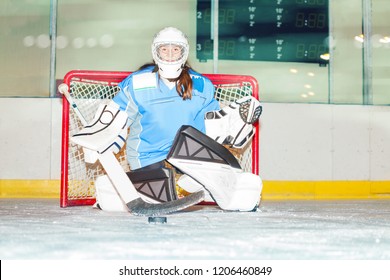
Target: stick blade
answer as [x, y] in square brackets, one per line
[139, 207]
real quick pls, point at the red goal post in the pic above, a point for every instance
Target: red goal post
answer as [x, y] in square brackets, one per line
[89, 89]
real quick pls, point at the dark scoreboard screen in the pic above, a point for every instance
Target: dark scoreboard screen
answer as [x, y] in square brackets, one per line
[265, 30]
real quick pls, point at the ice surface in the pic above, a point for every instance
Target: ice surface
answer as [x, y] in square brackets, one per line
[300, 230]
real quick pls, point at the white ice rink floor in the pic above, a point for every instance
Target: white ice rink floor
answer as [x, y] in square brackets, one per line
[279, 230]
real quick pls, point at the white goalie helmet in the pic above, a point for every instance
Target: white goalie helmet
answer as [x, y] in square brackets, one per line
[170, 50]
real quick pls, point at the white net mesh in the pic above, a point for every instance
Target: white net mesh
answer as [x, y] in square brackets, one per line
[88, 95]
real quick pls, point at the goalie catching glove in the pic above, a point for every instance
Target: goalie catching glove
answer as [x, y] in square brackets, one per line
[233, 125]
[107, 131]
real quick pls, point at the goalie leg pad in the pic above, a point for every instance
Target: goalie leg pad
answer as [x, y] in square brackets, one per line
[246, 194]
[216, 169]
[155, 184]
[190, 185]
[106, 196]
[231, 189]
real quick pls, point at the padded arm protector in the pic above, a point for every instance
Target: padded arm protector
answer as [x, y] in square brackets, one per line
[233, 125]
[107, 131]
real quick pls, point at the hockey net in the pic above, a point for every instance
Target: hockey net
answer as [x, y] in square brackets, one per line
[91, 88]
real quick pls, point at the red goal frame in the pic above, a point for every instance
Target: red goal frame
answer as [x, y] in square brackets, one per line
[116, 77]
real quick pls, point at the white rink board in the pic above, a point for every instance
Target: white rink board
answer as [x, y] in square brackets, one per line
[324, 142]
[30, 130]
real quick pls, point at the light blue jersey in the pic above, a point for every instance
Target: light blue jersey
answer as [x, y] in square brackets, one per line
[156, 113]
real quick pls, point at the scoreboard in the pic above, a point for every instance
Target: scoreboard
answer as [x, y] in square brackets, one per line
[265, 30]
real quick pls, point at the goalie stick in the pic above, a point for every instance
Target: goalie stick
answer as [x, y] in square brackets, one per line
[122, 184]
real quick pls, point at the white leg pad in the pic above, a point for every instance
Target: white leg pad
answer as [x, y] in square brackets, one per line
[190, 185]
[246, 194]
[106, 196]
[231, 189]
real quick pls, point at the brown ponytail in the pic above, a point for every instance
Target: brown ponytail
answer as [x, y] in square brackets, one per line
[184, 83]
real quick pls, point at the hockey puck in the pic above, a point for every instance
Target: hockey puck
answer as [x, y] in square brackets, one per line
[157, 220]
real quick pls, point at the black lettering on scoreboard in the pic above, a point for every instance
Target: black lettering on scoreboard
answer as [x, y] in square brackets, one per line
[265, 30]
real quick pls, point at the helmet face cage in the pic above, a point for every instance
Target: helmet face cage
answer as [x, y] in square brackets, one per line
[170, 50]
[170, 53]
